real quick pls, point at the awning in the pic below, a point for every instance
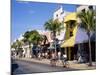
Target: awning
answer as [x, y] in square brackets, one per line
[82, 37]
[79, 34]
[71, 41]
[68, 43]
[71, 16]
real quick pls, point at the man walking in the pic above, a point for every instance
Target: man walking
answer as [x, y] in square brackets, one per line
[64, 60]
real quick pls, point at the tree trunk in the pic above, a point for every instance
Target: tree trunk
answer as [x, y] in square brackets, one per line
[54, 35]
[30, 50]
[55, 46]
[90, 55]
[69, 48]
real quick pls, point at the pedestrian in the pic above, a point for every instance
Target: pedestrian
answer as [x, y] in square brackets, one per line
[23, 53]
[39, 56]
[53, 59]
[59, 55]
[42, 55]
[64, 60]
[46, 54]
[80, 60]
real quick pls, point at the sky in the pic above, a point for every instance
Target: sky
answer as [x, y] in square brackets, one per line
[32, 15]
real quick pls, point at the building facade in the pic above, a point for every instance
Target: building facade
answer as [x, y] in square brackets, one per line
[76, 41]
[59, 14]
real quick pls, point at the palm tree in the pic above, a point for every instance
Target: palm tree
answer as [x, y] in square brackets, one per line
[26, 37]
[35, 37]
[32, 37]
[88, 21]
[55, 27]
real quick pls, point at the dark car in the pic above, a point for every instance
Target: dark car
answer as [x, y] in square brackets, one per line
[14, 66]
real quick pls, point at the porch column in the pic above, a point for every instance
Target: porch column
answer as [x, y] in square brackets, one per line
[66, 51]
[69, 53]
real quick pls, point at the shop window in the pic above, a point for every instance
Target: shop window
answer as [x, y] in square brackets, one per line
[57, 15]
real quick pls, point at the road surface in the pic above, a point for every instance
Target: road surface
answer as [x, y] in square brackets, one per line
[26, 67]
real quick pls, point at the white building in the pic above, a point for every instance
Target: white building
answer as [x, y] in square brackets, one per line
[60, 15]
[26, 51]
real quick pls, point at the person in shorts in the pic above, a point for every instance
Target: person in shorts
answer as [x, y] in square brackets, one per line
[53, 59]
[64, 60]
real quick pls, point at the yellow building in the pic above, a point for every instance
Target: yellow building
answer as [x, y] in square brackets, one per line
[76, 39]
[71, 30]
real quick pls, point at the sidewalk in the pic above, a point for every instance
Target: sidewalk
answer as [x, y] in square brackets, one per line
[72, 64]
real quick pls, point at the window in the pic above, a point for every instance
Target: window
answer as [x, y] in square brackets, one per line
[57, 15]
[62, 12]
[71, 33]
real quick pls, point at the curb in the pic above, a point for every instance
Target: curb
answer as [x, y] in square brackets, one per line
[71, 65]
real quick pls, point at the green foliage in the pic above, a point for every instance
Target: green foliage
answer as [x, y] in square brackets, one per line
[53, 26]
[14, 45]
[44, 39]
[32, 37]
[17, 45]
[88, 19]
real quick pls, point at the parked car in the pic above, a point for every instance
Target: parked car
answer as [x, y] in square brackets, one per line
[14, 66]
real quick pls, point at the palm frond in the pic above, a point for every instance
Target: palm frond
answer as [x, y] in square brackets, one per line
[88, 20]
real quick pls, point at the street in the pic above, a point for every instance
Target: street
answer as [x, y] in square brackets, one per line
[26, 67]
